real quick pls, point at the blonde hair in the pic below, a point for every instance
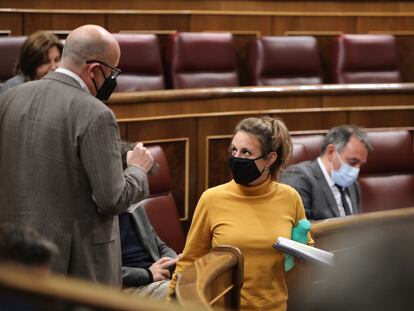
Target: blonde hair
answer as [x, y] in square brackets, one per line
[272, 135]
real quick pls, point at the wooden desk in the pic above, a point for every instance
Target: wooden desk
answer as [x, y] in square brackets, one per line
[341, 235]
[25, 288]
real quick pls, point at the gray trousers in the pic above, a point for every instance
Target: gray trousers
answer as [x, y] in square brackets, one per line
[157, 290]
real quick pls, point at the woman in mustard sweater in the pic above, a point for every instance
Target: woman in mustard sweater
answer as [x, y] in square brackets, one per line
[250, 212]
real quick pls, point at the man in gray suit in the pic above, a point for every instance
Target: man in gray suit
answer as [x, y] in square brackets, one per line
[328, 185]
[60, 162]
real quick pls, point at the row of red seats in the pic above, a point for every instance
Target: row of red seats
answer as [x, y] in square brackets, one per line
[198, 60]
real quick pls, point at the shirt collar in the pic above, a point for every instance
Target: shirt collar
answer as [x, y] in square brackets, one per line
[74, 76]
[325, 173]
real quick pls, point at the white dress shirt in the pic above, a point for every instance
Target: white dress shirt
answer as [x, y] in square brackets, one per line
[74, 76]
[335, 190]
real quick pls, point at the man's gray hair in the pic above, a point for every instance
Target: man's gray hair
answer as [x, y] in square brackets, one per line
[340, 135]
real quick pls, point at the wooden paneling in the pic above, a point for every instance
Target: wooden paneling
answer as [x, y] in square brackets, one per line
[373, 100]
[204, 22]
[384, 23]
[170, 104]
[234, 5]
[45, 21]
[217, 151]
[12, 22]
[282, 25]
[266, 22]
[118, 22]
[391, 117]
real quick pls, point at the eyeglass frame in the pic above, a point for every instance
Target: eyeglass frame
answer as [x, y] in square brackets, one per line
[115, 71]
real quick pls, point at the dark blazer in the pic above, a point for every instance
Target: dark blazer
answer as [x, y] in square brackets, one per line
[319, 202]
[61, 172]
[155, 247]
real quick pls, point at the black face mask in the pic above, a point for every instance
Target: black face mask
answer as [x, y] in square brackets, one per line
[244, 170]
[105, 91]
[109, 85]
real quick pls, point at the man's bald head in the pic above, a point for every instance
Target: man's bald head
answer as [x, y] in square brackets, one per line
[89, 42]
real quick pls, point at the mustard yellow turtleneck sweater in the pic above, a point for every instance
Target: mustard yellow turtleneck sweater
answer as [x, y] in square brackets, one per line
[250, 218]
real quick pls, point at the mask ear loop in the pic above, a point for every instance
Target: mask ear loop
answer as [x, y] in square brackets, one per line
[94, 84]
[93, 80]
[339, 157]
[266, 168]
[105, 78]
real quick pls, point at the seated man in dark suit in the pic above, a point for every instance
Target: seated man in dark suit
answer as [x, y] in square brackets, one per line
[328, 185]
[147, 262]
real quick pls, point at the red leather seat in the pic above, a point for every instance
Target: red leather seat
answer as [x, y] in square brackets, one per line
[306, 147]
[365, 59]
[387, 179]
[285, 61]
[160, 206]
[9, 51]
[199, 60]
[140, 63]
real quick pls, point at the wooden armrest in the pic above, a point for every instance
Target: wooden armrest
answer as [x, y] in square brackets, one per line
[213, 280]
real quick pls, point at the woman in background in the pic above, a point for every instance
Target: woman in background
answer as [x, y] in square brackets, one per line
[40, 53]
[250, 212]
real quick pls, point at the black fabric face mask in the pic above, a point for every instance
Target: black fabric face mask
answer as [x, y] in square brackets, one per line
[105, 91]
[109, 85]
[244, 170]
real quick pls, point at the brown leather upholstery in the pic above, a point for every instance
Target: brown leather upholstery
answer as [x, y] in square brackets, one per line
[9, 51]
[387, 179]
[140, 63]
[365, 59]
[285, 60]
[306, 147]
[199, 60]
[160, 206]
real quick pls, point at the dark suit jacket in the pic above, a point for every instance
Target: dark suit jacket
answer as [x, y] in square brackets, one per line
[319, 202]
[61, 172]
[155, 247]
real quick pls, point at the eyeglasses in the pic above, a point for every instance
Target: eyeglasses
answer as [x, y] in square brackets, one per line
[115, 71]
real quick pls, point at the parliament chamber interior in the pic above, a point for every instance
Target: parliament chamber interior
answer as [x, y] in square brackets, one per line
[191, 70]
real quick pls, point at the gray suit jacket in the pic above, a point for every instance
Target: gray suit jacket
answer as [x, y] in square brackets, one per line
[61, 172]
[319, 202]
[12, 82]
[156, 248]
